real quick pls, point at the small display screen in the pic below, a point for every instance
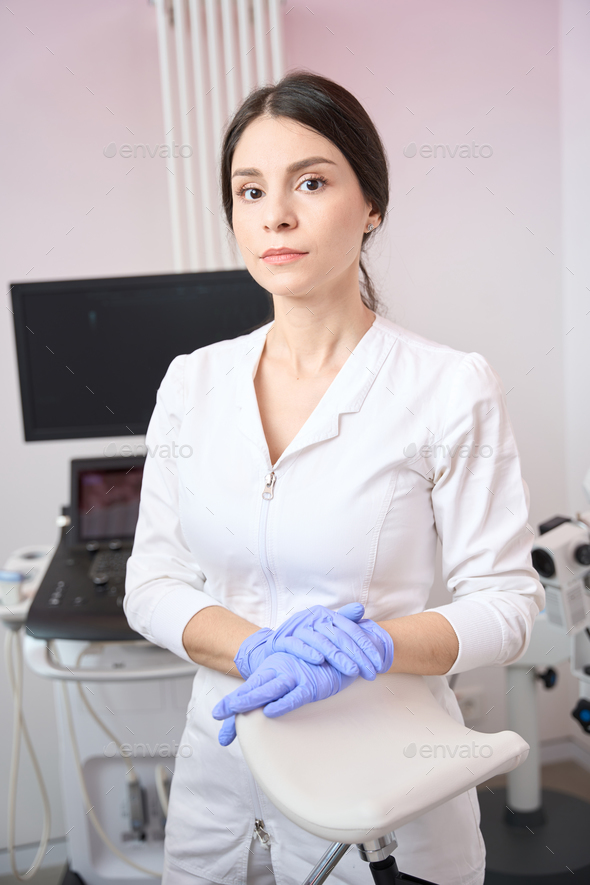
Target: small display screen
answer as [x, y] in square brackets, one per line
[108, 503]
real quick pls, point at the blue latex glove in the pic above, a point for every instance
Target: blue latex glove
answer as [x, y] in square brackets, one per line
[253, 696]
[382, 641]
[281, 683]
[264, 642]
[314, 635]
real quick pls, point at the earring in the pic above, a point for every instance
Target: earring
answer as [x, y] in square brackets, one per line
[370, 228]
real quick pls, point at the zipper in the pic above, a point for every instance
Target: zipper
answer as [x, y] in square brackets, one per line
[261, 833]
[259, 828]
[269, 485]
[267, 496]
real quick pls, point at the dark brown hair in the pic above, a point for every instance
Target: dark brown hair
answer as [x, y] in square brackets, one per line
[332, 111]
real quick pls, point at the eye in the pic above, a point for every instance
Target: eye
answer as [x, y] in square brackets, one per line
[312, 178]
[240, 193]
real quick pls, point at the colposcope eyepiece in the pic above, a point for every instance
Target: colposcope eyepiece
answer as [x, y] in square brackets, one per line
[543, 562]
[582, 554]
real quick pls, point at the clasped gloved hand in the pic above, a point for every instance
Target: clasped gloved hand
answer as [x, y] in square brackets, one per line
[316, 635]
[281, 683]
[299, 680]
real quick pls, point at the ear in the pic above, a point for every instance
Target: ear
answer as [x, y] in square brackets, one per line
[374, 216]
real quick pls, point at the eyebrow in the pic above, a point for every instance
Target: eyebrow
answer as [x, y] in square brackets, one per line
[294, 167]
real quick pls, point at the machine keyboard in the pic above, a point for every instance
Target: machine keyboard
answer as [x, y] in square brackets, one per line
[109, 563]
[82, 593]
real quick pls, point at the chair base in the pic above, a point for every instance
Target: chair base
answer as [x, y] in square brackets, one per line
[546, 854]
[385, 872]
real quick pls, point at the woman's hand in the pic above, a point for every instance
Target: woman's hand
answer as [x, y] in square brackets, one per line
[281, 683]
[319, 634]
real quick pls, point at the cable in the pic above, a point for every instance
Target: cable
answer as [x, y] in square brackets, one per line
[14, 667]
[130, 774]
[161, 781]
[89, 807]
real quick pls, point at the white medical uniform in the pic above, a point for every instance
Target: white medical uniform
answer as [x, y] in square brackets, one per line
[412, 439]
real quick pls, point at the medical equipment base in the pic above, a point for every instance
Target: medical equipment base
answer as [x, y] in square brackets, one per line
[535, 836]
[140, 692]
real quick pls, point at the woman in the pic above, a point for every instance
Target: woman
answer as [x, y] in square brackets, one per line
[329, 448]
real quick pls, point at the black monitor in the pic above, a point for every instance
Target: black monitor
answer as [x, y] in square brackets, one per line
[92, 353]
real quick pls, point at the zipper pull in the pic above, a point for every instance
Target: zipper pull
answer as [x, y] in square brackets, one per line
[261, 833]
[269, 480]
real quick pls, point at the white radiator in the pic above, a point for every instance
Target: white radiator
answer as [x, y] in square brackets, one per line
[212, 54]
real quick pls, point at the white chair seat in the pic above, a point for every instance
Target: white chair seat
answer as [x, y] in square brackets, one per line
[338, 769]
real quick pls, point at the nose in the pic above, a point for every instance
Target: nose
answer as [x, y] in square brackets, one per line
[279, 212]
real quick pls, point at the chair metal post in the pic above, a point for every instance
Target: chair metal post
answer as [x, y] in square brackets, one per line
[324, 867]
[378, 849]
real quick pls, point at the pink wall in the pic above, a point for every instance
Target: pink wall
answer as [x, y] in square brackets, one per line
[55, 176]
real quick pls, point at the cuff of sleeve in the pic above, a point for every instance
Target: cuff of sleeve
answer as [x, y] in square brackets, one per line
[172, 614]
[478, 630]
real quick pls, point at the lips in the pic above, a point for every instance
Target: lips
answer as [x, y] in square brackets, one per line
[284, 251]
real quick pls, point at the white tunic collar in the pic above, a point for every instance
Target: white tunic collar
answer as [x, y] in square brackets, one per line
[346, 393]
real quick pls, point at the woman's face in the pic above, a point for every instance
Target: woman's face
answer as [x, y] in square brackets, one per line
[287, 207]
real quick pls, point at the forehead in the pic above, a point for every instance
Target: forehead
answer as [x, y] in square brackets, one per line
[274, 143]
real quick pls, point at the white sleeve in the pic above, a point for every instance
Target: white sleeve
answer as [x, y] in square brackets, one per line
[164, 583]
[481, 506]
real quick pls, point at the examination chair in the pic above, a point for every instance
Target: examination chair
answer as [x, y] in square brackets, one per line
[383, 734]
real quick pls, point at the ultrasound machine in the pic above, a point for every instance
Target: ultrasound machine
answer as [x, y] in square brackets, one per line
[81, 596]
[91, 355]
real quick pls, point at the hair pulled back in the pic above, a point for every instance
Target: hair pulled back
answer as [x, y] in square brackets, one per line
[332, 111]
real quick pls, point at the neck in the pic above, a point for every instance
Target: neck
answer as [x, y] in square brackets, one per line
[315, 338]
